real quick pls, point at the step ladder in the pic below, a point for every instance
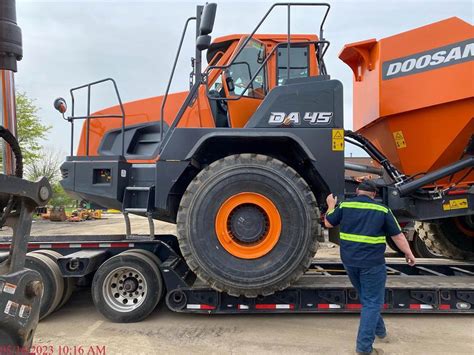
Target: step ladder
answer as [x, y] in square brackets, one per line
[138, 200]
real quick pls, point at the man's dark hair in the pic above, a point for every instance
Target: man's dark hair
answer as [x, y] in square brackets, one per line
[368, 185]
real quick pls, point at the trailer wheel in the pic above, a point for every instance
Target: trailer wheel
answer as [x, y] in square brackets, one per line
[248, 225]
[53, 283]
[156, 262]
[449, 237]
[69, 282]
[127, 287]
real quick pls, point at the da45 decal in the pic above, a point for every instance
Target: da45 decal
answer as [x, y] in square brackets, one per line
[295, 118]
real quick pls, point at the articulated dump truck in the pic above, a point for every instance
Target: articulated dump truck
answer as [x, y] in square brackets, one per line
[242, 162]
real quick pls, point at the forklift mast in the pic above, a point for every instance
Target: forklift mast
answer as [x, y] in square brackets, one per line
[20, 288]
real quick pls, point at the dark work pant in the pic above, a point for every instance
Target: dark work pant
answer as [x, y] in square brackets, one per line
[370, 285]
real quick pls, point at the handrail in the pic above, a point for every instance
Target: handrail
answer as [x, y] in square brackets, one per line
[165, 97]
[281, 44]
[88, 117]
[288, 5]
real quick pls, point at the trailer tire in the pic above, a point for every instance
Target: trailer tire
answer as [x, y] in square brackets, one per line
[153, 257]
[53, 282]
[136, 273]
[444, 237]
[270, 242]
[69, 282]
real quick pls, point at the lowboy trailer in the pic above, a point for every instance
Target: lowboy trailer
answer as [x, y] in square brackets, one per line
[108, 261]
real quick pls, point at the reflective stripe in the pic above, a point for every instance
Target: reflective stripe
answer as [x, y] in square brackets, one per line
[328, 213]
[362, 238]
[364, 206]
[398, 225]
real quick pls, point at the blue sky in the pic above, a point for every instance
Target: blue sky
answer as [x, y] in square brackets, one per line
[69, 43]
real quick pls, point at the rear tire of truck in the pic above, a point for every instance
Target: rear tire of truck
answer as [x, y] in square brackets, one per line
[69, 282]
[248, 225]
[420, 250]
[53, 282]
[449, 237]
[127, 287]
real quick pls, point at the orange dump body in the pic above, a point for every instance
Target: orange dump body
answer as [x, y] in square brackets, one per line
[414, 94]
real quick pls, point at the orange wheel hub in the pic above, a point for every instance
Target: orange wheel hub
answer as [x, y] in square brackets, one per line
[248, 225]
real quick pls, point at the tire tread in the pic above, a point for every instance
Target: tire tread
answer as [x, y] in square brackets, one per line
[285, 171]
[433, 236]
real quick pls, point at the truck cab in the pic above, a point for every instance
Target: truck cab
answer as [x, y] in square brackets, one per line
[227, 98]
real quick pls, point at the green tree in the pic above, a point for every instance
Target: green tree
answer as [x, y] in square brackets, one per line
[30, 130]
[60, 197]
[38, 161]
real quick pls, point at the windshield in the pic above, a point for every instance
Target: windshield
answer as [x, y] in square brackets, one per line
[245, 66]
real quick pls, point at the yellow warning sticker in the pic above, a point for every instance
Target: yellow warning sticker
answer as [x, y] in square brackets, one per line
[338, 140]
[456, 204]
[399, 139]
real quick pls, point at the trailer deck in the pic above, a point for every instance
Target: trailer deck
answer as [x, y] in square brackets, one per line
[432, 286]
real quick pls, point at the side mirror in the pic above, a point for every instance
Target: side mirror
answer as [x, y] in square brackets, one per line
[207, 19]
[203, 42]
[60, 105]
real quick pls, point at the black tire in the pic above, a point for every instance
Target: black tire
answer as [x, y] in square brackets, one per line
[290, 194]
[155, 260]
[147, 287]
[69, 282]
[420, 250]
[446, 238]
[393, 246]
[147, 253]
[53, 283]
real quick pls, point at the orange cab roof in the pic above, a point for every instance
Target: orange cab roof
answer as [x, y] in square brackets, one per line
[276, 37]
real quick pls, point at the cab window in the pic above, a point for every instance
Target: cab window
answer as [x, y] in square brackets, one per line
[245, 66]
[299, 63]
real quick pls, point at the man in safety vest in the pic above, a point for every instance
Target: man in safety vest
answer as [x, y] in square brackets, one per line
[364, 225]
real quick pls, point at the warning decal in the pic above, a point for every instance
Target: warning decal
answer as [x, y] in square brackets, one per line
[25, 311]
[338, 140]
[11, 308]
[456, 204]
[9, 288]
[399, 139]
